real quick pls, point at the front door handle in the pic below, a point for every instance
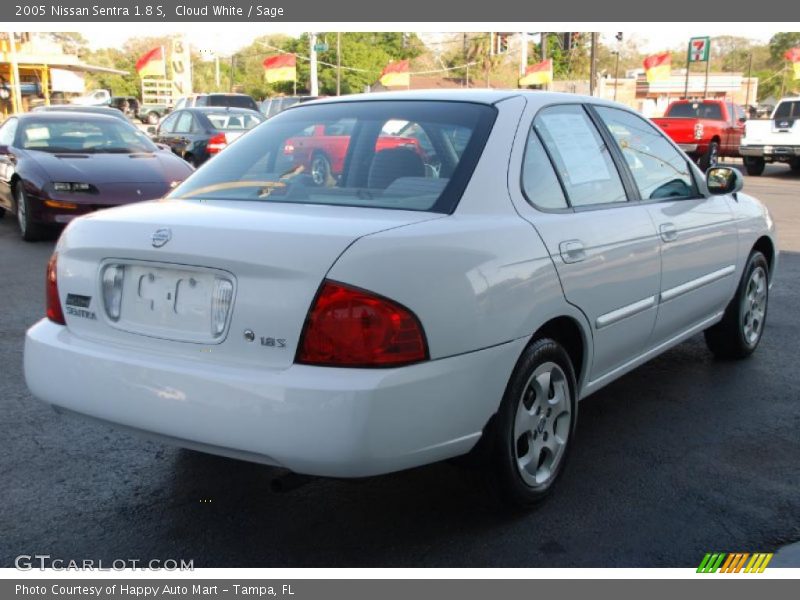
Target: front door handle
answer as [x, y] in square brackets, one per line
[668, 232]
[572, 251]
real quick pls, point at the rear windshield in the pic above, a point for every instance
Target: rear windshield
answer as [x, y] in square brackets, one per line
[695, 110]
[232, 101]
[227, 121]
[788, 110]
[410, 155]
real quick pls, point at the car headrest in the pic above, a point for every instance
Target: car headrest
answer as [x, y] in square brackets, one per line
[393, 163]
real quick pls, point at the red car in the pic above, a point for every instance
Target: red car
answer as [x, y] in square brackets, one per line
[704, 129]
[322, 149]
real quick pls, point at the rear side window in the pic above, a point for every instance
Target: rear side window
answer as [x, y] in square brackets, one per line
[409, 155]
[580, 155]
[233, 121]
[660, 171]
[539, 181]
[788, 110]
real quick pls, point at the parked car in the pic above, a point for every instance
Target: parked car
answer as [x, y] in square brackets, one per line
[127, 105]
[401, 315]
[73, 109]
[775, 140]
[218, 99]
[197, 134]
[705, 129]
[321, 149]
[272, 106]
[55, 166]
[93, 98]
[151, 114]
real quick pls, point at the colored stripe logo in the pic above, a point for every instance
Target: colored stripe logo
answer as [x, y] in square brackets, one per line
[735, 562]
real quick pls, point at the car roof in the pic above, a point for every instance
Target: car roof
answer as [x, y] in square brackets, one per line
[536, 98]
[221, 94]
[56, 115]
[218, 109]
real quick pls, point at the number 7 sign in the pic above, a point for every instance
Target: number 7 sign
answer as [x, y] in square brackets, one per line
[698, 49]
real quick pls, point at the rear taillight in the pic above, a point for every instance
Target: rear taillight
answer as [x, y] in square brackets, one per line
[54, 312]
[217, 143]
[350, 327]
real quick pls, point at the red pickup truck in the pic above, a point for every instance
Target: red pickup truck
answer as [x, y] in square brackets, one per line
[322, 149]
[704, 129]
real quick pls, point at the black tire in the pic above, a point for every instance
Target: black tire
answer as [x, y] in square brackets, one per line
[754, 165]
[152, 118]
[2, 213]
[30, 231]
[320, 169]
[710, 158]
[552, 414]
[795, 165]
[733, 338]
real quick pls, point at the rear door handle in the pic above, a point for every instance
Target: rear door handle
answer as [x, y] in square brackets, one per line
[668, 232]
[572, 251]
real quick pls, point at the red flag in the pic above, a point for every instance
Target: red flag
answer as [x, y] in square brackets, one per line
[793, 54]
[538, 74]
[152, 63]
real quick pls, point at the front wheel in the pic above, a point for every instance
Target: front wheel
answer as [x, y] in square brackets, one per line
[754, 165]
[320, 170]
[795, 165]
[741, 328]
[535, 424]
[29, 231]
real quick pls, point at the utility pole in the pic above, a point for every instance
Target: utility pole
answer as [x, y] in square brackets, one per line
[16, 91]
[216, 71]
[749, 75]
[338, 63]
[465, 48]
[543, 44]
[314, 84]
[593, 65]
[688, 64]
[616, 64]
[523, 53]
[708, 66]
[233, 66]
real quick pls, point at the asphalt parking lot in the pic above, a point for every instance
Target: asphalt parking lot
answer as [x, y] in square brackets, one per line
[684, 456]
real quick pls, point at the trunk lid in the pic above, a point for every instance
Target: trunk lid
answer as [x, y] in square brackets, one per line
[176, 256]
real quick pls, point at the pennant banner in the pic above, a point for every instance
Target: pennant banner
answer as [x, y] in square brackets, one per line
[538, 74]
[658, 67]
[280, 68]
[793, 56]
[152, 64]
[396, 74]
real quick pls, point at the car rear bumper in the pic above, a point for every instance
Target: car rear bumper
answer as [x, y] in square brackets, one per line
[313, 420]
[771, 152]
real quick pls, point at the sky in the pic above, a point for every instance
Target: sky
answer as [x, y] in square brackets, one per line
[210, 37]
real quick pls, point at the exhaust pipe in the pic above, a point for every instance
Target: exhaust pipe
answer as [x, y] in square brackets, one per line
[288, 482]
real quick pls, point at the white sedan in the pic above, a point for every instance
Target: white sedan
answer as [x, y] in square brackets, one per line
[470, 265]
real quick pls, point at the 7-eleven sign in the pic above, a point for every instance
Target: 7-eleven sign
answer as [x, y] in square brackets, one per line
[699, 48]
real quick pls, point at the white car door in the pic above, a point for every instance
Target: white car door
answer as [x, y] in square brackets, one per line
[699, 239]
[605, 247]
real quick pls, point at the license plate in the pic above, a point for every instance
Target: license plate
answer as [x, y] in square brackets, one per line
[171, 303]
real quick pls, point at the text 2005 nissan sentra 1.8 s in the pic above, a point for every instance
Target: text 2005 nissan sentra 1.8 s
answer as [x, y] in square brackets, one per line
[480, 262]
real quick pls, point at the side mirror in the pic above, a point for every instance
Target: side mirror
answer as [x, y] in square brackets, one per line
[724, 180]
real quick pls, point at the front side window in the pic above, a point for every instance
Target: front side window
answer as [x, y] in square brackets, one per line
[410, 155]
[580, 155]
[8, 132]
[660, 171]
[168, 124]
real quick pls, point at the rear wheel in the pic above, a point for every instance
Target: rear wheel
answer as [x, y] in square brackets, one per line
[740, 330]
[320, 169]
[535, 424]
[710, 158]
[29, 231]
[754, 165]
[795, 165]
[2, 212]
